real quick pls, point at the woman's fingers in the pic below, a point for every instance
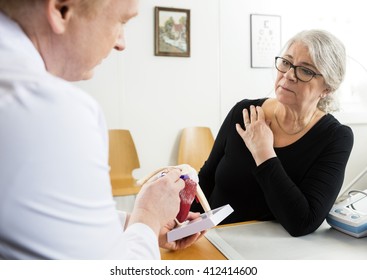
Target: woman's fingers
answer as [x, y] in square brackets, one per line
[256, 114]
[253, 114]
[260, 113]
[246, 118]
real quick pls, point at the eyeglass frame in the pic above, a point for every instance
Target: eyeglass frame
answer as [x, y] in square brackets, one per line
[291, 65]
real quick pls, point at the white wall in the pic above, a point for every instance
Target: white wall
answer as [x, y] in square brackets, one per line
[155, 97]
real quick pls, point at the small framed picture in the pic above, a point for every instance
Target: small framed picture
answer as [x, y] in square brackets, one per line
[172, 32]
[265, 40]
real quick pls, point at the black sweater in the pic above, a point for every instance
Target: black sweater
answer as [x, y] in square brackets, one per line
[297, 188]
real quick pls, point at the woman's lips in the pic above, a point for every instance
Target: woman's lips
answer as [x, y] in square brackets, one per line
[286, 88]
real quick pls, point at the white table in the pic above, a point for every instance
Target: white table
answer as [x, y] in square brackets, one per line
[270, 241]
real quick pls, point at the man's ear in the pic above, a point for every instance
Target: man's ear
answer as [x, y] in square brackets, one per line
[58, 14]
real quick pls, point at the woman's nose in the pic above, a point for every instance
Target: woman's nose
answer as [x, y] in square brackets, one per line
[291, 74]
[120, 42]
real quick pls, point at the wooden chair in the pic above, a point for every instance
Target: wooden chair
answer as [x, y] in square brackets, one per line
[123, 159]
[195, 146]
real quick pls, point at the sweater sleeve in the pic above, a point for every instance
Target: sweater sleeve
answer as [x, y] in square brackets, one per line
[208, 173]
[302, 208]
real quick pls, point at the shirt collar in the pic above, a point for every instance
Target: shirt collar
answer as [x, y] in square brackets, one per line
[13, 39]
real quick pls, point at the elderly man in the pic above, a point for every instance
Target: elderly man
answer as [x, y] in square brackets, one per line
[56, 200]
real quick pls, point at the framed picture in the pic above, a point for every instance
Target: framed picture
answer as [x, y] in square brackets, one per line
[172, 32]
[265, 40]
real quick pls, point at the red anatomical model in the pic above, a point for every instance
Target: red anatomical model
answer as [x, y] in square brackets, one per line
[187, 196]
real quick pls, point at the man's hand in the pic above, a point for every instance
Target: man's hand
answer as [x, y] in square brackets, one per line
[181, 243]
[158, 201]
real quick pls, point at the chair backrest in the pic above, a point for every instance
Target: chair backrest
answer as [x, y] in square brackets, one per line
[123, 159]
[195, 146]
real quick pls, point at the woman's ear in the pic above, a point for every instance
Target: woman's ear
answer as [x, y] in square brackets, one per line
[58, 14]
[325, 92]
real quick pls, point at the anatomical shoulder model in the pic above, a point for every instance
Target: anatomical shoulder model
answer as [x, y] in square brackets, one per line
[188, 193]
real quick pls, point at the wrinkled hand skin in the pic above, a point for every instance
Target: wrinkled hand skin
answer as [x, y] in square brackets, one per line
[187, 196]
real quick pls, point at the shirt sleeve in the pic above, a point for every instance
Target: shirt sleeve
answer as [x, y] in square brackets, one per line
[302, 208]
[122, 217]
[56, 200]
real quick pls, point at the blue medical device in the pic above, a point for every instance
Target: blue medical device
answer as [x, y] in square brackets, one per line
[349, 213]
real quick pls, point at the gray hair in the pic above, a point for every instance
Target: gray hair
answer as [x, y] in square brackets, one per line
[328, 54]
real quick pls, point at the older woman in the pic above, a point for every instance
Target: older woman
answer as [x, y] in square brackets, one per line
[285, 158]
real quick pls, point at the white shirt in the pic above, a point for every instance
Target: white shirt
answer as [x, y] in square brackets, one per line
[55, 192]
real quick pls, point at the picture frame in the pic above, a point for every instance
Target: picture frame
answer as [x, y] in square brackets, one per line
[172, 32]
[265, 39]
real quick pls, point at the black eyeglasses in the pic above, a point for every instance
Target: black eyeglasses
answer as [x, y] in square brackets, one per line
[302, 73]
